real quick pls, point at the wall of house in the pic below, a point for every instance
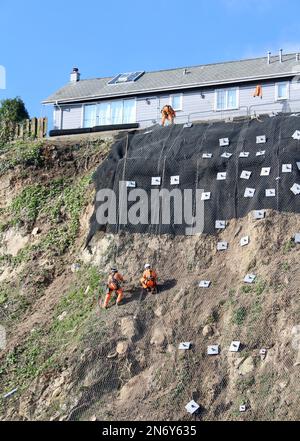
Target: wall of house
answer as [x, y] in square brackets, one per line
[196, 105]
[57, 115]
[72, 117]
[200, 105]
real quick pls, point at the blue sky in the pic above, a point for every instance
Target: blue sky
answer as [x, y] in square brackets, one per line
[41, 41]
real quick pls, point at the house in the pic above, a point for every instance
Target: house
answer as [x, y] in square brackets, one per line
[212, 91]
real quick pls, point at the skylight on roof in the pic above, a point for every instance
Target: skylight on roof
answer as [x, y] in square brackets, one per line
[126, 77]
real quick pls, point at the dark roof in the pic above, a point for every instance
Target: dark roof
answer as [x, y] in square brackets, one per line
[175, 79]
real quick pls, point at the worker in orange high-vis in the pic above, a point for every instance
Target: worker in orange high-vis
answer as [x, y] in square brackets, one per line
[149, 279]
[258, 91]
[114, 285]
[167, 114]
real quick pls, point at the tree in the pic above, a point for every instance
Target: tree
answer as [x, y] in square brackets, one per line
[13, 110]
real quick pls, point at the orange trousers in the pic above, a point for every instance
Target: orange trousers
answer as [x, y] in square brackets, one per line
[148, 284]
[119, 293]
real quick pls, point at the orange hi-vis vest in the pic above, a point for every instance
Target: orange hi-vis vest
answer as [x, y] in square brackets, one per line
[149, 275]
[114, 281]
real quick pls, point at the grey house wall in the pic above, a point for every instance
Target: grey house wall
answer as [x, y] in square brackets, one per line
[196, 105]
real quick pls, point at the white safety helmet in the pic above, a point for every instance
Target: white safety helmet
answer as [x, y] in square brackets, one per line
[147, 266]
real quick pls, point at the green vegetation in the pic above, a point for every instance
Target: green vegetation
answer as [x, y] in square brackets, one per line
[239, 316]
[22, 153]
[31, 201]
[288, 246]
[245, 383]
[55, 206]
[72, 199]
[77, 304]
[285, 266]
[213, 317]
[3, 297]
[44, 348]
[246, 289]
[259, 287]
[22, 256]
[183, 378]
[51, 201]
[11, 111]
[266, 383]
[231, 301]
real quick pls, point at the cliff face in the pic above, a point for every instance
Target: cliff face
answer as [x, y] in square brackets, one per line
[70, 360]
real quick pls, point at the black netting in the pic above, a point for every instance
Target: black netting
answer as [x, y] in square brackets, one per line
[177, 150]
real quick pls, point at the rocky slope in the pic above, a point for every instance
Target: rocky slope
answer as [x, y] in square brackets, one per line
[70, 360]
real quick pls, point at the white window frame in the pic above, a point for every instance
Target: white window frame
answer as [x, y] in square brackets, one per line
[181, 101]
[135, 109]
[237, 89]
[110, 101]
[277, 98]
[83, 114]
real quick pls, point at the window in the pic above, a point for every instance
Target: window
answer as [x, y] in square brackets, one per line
[116, 112]
[227, 99]
[90, 111]
[103, 114]
[110, 112]
[129, 111]
[282, 91]
[176, 102]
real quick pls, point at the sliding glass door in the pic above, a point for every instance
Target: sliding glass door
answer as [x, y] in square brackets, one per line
[129, 111]
[116, 112]
[103, 117]
[110, 113]
[90, 113]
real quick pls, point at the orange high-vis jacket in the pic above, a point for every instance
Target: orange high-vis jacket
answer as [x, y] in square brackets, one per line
[258, 91]
[148, 274]
[114, 280]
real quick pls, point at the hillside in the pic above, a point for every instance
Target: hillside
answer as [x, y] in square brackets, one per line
[71, 360]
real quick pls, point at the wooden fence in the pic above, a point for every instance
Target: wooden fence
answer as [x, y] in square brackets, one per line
[29, 128]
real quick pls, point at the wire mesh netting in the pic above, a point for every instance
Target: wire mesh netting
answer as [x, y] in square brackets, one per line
[259, 167]
[125, 362]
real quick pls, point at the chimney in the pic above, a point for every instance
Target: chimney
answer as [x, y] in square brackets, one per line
[280, 56]
[269, 57]
[75, 75]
